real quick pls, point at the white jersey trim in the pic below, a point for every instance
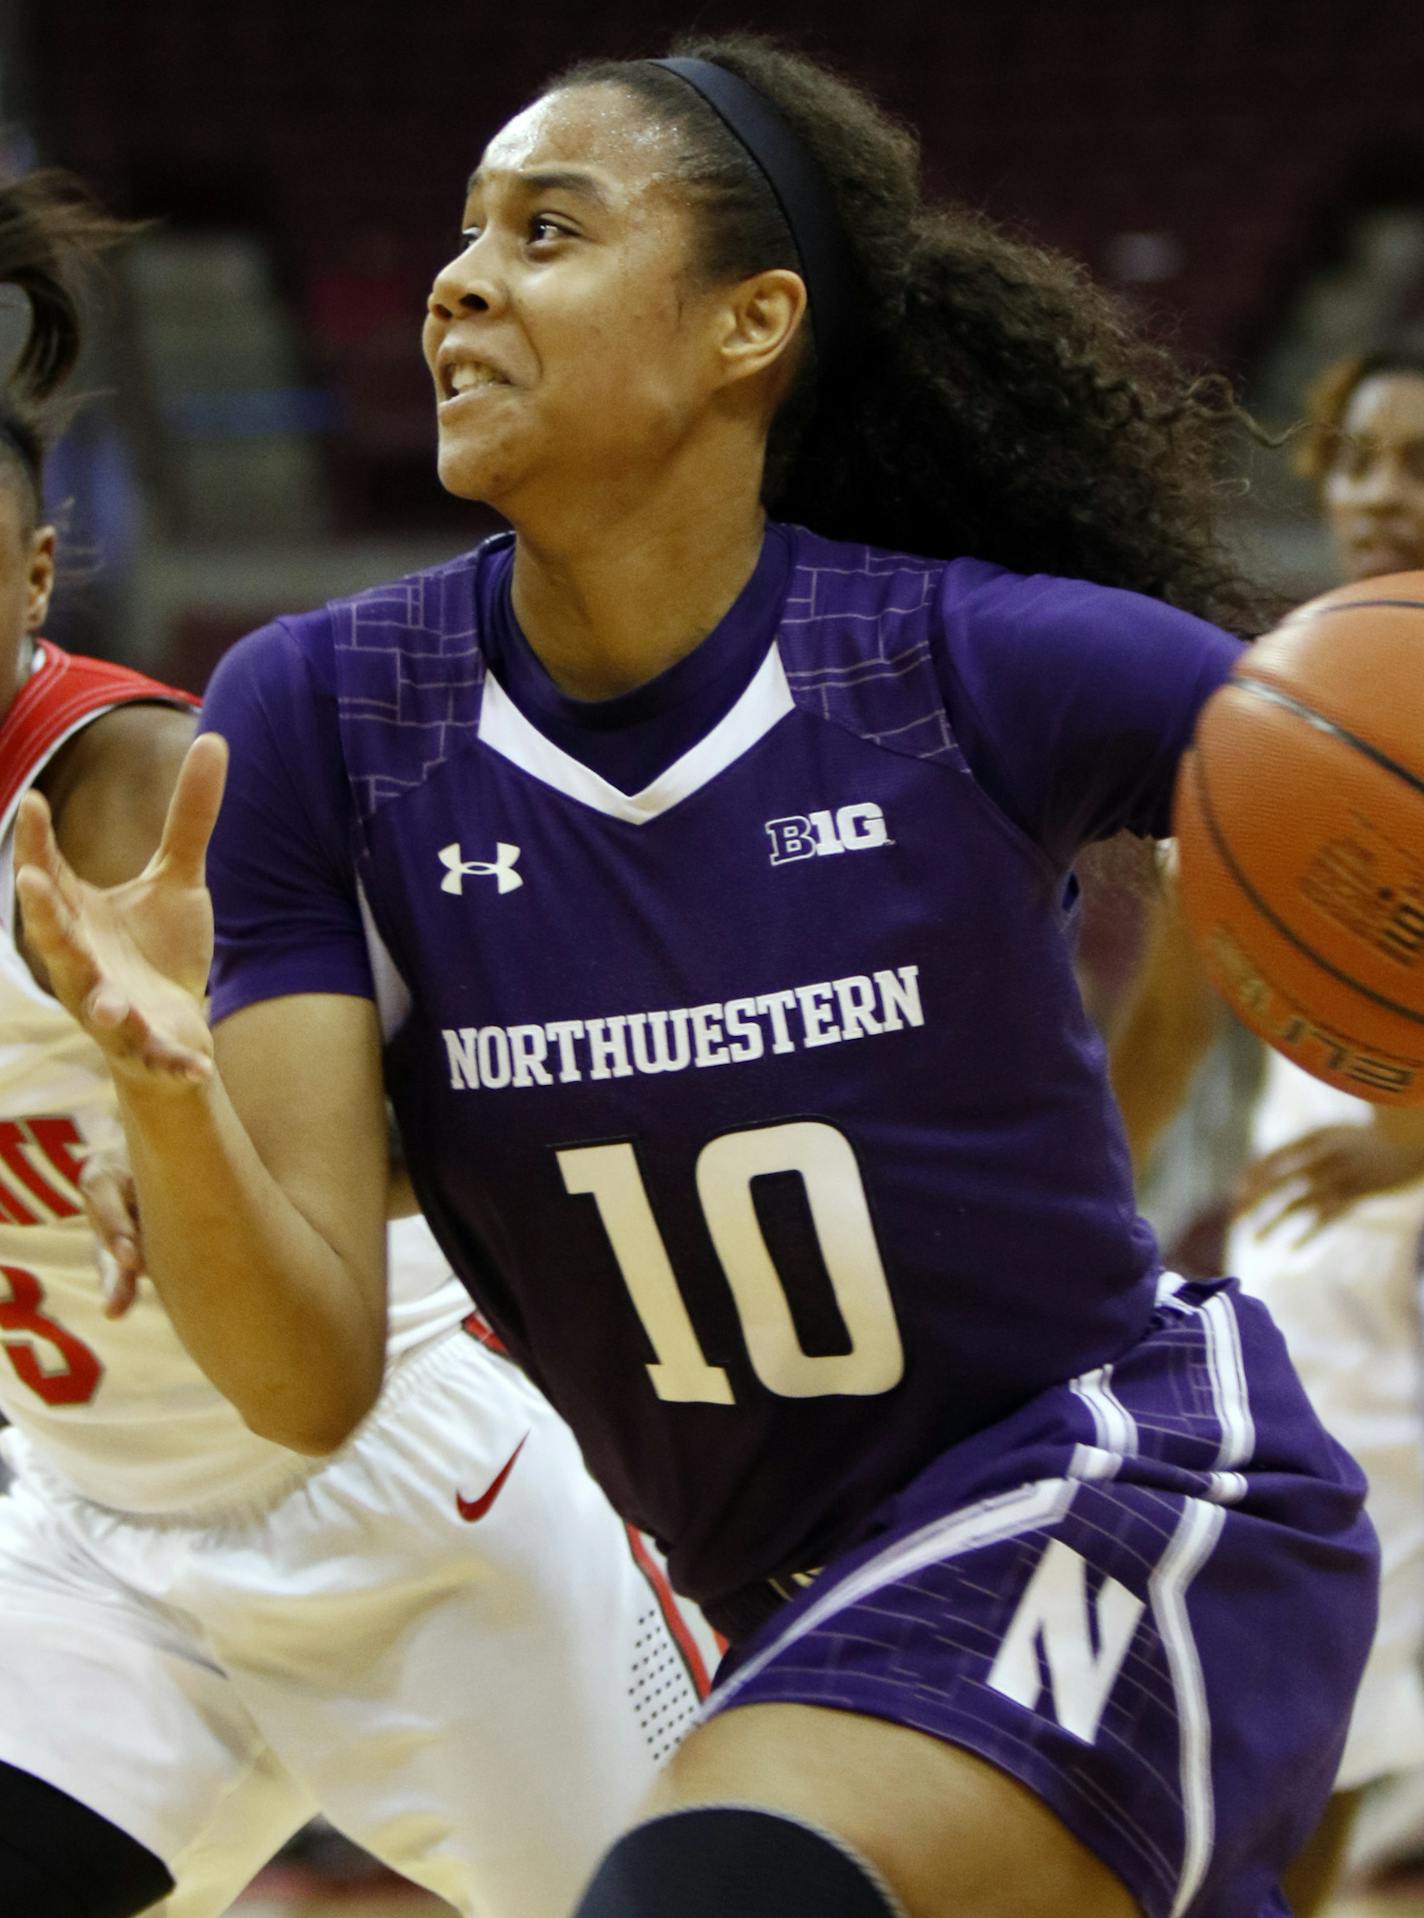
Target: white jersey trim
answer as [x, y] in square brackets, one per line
[764, 703]
[1115, 1429]
[392, 993]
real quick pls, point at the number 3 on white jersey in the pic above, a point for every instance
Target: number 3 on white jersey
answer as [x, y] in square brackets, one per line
[826, 1164]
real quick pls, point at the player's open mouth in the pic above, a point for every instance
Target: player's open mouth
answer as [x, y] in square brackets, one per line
[468, 376]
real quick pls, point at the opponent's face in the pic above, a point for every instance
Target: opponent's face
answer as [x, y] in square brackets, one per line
[569, 348]
[1374, 488]
[26, 581]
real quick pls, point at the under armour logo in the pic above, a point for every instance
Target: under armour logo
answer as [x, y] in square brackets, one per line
[502, 866]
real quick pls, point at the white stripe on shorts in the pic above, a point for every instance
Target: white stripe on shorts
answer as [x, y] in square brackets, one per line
[1226, 1488]
[1113, 1424]
[1197, 1532]
[1092, 1462]
[1169, 1284]
[990, 1522]
[1227, 1367]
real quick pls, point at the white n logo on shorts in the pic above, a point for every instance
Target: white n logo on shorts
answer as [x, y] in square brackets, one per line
[1056, 1615]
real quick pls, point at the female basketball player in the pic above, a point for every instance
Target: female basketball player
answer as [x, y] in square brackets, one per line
[1330, 1211]
[698, 887]
[438, 1637]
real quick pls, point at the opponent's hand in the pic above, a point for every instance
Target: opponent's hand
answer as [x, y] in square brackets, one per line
[106, 1185]
[1320, 1175]
[130, 963]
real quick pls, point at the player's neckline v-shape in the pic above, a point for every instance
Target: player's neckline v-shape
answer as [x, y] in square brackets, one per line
[764, 701]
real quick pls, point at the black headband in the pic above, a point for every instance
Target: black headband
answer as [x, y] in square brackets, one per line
[801, 190]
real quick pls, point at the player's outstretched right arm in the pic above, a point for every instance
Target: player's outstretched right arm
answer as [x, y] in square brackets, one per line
[263, 1211]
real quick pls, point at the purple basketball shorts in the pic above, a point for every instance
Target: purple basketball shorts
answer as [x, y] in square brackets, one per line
[1148, 1595]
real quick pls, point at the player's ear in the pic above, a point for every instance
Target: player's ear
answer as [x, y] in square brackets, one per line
[39, 580]
[760, 321]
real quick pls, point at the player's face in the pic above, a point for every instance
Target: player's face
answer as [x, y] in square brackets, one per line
[1374, 488]
[567, 346]
[26, 581]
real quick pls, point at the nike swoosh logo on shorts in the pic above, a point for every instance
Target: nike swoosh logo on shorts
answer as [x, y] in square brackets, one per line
[474, 1509]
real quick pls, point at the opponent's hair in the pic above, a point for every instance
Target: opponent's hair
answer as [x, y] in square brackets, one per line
[1002, 405]
[50, 233]
[1328, 400]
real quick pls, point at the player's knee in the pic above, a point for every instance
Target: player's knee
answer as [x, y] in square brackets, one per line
[712, 1861]
[60, 1858]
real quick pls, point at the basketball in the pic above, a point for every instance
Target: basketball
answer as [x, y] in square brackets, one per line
[1299, 816]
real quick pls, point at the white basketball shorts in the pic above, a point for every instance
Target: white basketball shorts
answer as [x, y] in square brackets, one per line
[442, 1638]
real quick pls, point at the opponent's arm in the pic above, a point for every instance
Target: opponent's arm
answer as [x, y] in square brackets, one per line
[1169, 1023]
[1322, 1173]
[108, 790]
[259, 1153]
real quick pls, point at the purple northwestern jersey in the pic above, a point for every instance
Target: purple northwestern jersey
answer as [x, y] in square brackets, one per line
[757, 1106]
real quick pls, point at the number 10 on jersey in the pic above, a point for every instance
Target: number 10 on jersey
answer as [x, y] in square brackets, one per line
[823, 1159]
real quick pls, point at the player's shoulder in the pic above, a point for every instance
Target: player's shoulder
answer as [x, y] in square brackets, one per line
[838, 576]
[289, 655]
[980, 600]
[833, 579]
[72, 710]
[1006, 636]
[434, 611]
[109, 784]
[130, 746]
[847, 602]
[441, 606]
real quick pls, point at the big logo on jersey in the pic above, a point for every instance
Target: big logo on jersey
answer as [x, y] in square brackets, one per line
[817, 834]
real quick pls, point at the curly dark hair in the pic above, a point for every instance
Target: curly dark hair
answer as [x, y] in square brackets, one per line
[50, 233]
[1002, 404]
[1328, 401]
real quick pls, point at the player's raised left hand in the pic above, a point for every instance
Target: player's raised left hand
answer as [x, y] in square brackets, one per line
[130, 962]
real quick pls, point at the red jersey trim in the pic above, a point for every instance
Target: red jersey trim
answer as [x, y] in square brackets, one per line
[62, 690]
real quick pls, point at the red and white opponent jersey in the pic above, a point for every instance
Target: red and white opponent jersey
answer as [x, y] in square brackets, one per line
[116, 1408]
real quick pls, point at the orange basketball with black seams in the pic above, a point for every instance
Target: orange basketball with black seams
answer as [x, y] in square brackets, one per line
[1300, 823]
